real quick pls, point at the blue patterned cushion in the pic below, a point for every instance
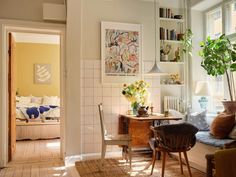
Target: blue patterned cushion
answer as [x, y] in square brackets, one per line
[206, 138]
[31, 113]
[198, 120]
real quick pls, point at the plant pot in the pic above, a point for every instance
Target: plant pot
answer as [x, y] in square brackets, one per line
[230, 106]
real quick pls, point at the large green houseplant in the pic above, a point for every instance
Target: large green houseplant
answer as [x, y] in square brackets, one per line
[218, 58]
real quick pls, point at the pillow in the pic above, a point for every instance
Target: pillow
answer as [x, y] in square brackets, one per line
[198, 120]
[50, 100]
[37, 100]
[222, 125]
[31, 113]
[25, 99]
[175, 113]
[233, 133]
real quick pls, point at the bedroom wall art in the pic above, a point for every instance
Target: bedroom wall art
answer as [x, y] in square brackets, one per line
[42, 73]
[121, 45]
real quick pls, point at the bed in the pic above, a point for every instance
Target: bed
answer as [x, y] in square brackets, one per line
[37, 117]
[34, 109]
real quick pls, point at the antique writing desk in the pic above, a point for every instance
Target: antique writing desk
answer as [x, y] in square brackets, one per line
[139, 127]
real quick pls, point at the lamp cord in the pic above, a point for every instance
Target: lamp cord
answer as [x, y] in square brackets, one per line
[155, 22]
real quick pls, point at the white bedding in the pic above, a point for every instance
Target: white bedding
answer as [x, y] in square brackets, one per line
[22, 106]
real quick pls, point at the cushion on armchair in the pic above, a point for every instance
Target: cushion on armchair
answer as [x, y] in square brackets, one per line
[198, 119]
[222, 125]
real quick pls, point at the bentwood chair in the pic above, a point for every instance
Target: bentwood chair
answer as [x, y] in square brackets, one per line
[173, 138]
[121, 140]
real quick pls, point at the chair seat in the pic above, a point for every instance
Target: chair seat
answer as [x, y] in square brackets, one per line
[124, 137]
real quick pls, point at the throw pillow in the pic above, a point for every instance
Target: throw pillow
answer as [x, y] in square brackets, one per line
[198, 120]
[233, 133]
[222, 125]
[175, 113]
[25, 99]
[50, 100]
[37, 100]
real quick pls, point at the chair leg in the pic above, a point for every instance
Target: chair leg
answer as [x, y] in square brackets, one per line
[103, 154]
[187, 163]
[153, 160]
[130, 157]
[180, 162]
[163, 163]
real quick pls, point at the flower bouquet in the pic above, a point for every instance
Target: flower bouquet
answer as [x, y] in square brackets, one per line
[137, 94]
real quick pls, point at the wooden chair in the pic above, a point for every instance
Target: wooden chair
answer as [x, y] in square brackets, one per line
[211, 159]
[173, 138]
[121, 140]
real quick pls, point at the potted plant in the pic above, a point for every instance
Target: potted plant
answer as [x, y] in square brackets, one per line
[187, 42]
[218, 58]
[137, 94]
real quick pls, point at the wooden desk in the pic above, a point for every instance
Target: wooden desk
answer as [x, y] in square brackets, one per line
[139, 127]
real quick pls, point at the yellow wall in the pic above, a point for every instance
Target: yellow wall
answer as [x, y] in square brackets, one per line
[28, 54]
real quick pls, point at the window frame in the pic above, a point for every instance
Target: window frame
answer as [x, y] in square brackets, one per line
[232, 36]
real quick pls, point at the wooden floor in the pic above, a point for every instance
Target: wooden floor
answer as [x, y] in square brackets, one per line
[37, 151]
[39, 158]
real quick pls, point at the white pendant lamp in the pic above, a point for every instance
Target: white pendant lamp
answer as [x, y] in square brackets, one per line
[155, 71]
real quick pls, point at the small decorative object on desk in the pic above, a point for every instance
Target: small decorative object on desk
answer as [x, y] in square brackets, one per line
[137, 94]
[143, 111]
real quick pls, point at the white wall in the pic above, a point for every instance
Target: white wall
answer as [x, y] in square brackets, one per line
[127, 11]
[73, 86]
[31, 10]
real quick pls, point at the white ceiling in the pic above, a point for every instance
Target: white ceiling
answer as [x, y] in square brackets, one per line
[202, 5]
[37, 38]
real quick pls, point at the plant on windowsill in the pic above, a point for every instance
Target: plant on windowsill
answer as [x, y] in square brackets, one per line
[218, 58]
[187, 41]
[137, 94]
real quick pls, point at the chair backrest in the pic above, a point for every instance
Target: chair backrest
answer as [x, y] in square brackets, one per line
[101, 115]
[176, 137]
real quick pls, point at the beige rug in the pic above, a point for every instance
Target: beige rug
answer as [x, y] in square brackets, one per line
[140, 168]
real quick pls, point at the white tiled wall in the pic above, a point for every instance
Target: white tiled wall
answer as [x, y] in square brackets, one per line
[114, 103]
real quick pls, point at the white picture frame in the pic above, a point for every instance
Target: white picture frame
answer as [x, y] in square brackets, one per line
[121, 52]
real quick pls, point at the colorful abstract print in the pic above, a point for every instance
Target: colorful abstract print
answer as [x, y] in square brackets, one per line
[121, 52]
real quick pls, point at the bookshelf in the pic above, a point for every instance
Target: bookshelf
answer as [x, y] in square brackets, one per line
[173, 23]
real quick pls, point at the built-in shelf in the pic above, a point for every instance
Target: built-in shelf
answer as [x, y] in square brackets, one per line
[171, 41]
[171, 20]
[171, 62]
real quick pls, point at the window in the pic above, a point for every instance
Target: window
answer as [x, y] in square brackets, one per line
[214, 23]
[231, 18]
[217, 93]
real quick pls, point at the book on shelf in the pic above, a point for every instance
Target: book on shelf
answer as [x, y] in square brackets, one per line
[166, 13]
[166, 34]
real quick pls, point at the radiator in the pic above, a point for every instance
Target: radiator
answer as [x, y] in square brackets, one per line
[173, 102]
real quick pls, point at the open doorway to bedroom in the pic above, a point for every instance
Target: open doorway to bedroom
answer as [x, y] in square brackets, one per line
[34, 97]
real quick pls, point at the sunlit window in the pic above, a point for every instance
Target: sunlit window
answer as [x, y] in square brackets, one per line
[231, 18]
[214, 23]
[217, 93]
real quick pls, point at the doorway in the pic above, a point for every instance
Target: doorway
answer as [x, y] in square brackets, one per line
[34, 96]
[10, 99]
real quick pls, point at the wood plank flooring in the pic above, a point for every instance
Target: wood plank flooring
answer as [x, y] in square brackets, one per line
[40, 158]
[37, 151]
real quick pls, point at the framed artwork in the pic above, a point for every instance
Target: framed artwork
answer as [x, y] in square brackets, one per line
[121, 52]
[42, 74]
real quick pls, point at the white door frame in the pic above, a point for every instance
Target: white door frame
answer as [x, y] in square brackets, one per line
[8, 26]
